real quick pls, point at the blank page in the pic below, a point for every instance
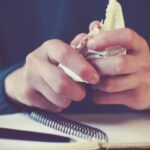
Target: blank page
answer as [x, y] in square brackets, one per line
[126, 129]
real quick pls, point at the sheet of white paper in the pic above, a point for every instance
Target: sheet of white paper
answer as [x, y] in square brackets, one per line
[22, 122]
[126, 129]
[130, 128]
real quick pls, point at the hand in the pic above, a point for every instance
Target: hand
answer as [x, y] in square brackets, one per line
[42, 83]
[124, 79]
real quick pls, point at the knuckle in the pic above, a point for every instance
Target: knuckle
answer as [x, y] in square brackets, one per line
[55, 44]
[28, 78]
[30, 58]
[66, 103]
[62, 87]
[84, 71]
[26, 93]
[121, 64]
[129, 34]
[138, 102]
[63, 54]
[109, 85]
[47, 43]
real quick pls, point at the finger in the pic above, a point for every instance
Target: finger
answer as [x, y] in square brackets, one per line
[70, 58]
[78, 39]
[124, 37]
[60, 82]
[122, 98]
[129, 98]
[93, 24]
[35, 99]
[119, 83]
[60, 101]
[117, 65]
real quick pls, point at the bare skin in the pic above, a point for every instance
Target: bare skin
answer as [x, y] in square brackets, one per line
[124, 79]
[43, 84]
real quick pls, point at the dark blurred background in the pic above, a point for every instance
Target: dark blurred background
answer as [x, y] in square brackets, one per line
[25, 24]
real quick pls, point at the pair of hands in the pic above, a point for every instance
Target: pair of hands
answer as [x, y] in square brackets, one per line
[116, 80]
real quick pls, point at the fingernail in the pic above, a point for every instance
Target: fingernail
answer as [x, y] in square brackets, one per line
[93, 78]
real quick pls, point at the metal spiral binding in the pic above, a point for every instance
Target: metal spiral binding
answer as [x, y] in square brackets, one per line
[67, 126]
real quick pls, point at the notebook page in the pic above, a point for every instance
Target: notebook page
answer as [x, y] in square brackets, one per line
[128, 129]
[123, 130]
[30, 145]
[22, 122]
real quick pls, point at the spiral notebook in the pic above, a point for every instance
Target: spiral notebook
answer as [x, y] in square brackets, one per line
[89, 131]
